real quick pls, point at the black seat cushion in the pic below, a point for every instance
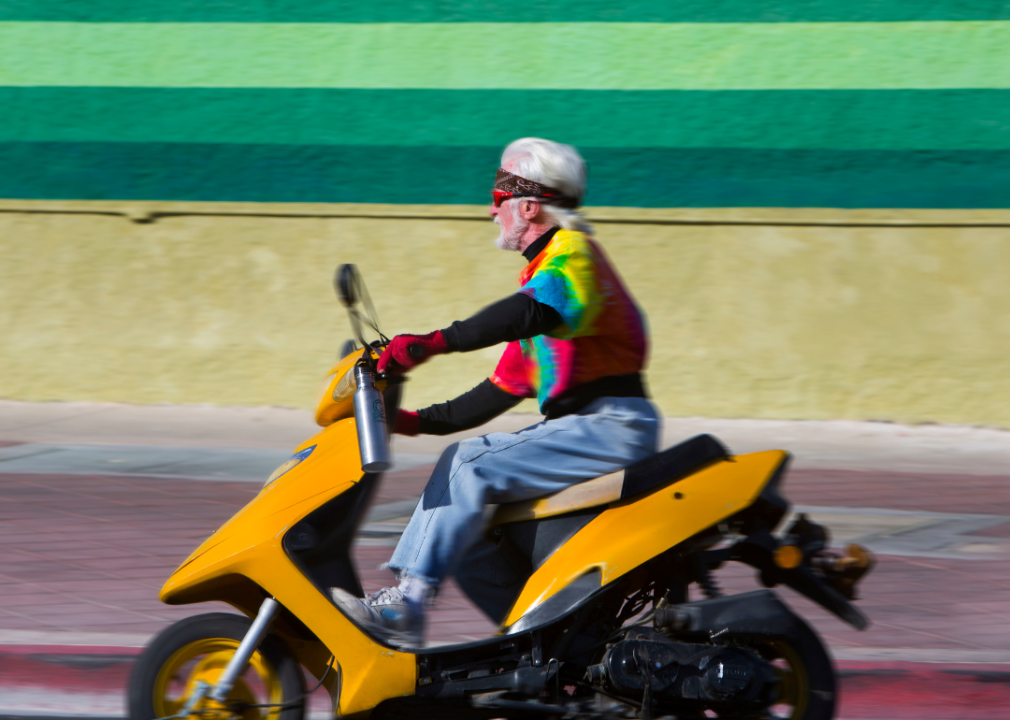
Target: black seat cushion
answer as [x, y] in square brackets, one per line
[672, 464]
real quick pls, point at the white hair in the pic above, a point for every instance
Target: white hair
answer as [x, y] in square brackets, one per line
[556, 165]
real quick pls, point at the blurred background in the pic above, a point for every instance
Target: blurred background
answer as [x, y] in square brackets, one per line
[809, 198]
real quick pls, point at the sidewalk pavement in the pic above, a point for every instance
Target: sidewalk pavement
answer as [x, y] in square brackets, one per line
[99, 503]
[834, 444]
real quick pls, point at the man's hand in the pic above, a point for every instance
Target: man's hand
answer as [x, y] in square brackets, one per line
[407, 351]
[407, 423]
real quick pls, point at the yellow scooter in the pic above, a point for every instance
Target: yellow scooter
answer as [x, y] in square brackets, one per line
[589, 587]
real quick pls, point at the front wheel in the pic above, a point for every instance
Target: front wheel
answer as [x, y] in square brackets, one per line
[198, 649]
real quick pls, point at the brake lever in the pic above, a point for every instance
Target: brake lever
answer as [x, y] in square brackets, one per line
[389, 378]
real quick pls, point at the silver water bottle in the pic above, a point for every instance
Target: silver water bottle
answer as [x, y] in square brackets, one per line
[370, 416]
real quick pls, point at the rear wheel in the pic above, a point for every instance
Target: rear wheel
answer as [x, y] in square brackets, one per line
[198, 649]
[806, 676]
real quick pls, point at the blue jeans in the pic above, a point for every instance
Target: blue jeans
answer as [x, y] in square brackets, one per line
[609, 434]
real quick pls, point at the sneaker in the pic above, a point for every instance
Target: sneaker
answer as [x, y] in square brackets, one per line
[386, 614]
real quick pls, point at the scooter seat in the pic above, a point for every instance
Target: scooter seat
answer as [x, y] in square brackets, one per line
[662, 468]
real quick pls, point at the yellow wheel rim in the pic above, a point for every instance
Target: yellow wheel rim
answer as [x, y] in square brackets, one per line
[205, 660]
[794, 682]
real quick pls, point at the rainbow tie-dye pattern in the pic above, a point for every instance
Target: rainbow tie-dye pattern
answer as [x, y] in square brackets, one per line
[603, 334]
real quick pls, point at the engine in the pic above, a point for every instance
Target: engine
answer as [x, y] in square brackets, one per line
[648, 666]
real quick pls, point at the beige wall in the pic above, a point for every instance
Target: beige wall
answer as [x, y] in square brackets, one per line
[754, 313]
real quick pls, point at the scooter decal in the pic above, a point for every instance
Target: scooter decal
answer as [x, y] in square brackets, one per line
[290, 464]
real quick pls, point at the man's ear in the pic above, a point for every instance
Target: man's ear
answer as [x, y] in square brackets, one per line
[530, 210]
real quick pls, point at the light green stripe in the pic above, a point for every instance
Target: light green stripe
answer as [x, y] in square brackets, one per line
[591, 56]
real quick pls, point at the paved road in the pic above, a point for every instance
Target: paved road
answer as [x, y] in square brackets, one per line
[88, 553]
[86, 543]
[82, 558]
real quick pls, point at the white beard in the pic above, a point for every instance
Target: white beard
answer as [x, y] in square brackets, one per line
[513, 238]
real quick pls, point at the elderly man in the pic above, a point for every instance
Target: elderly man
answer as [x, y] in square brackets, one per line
[575, 340]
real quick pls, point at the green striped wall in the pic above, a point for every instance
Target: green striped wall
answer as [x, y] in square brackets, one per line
[720, 104]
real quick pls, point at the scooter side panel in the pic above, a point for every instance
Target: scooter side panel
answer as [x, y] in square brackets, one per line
[328, 471]
[632, 532]
[370, 673]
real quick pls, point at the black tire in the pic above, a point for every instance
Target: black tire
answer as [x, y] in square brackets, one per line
[216, 634]
[807, 671]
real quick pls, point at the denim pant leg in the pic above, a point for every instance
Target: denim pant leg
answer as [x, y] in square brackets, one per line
[608, 435]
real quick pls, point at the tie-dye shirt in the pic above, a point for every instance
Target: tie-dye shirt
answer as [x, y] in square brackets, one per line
[603, 333]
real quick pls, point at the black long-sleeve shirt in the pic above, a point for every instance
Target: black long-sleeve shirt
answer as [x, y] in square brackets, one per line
[516, 317]
[471, 409]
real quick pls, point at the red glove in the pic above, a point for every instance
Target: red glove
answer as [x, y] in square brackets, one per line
[397, 358]
[407, 423]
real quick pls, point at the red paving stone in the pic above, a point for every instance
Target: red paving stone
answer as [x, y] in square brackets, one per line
[981, 494]
[906, 691]
[89, 553]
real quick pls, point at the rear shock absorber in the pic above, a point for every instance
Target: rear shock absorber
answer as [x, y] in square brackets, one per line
[705, 579]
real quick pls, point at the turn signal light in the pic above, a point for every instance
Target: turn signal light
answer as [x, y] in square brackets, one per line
[788, 557]
[856, 556]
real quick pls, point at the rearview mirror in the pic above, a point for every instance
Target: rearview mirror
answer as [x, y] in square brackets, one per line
[353, 294]
[345, 282]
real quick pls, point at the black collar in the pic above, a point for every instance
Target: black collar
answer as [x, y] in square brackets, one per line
[537, 246]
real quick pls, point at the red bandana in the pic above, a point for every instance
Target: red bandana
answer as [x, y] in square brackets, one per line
[511, 185]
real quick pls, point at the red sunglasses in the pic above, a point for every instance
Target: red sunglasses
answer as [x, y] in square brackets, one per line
[500, 196]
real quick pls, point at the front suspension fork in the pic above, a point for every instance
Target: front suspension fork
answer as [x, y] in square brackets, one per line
[253, 637]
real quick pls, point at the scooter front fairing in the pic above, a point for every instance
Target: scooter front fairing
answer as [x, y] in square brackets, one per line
[251, 557]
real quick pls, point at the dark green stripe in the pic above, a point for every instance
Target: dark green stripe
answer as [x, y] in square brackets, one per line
[827, 119]
[494, 11]
[636, 177]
